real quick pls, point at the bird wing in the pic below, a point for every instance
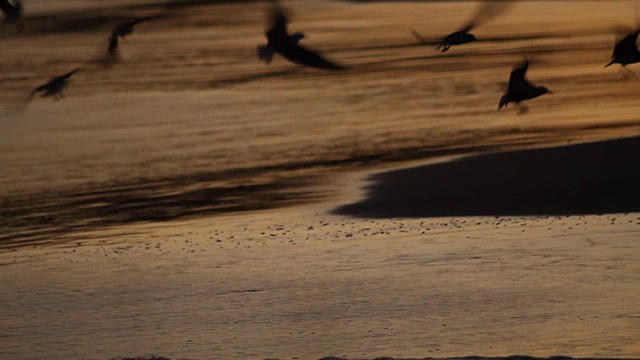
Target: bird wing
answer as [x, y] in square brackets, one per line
[68, 75]
[468, 26]
[119, 29]
[627, 45]
[42, 87]
[487, 11]
[418, 36]
[517, 80]
[278, 20]
[126, 27]
[303, 56]
[5, 5]
[139, 20]
[113, 44]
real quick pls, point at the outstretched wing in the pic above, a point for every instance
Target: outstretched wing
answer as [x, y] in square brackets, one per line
[517, 80]
[627, 45]
[42, 87]
[487, 11]
[467, 27]
[418, 36]
[303, 56]
[5, 6]
[113, 45]
[126, 28]
[139, 20]
[277, 21]
[68, 75]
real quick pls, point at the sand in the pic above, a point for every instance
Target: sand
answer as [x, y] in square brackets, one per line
[194, 203]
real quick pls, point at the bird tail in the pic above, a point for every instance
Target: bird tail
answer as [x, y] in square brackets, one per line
[265, 53]
[610, 63]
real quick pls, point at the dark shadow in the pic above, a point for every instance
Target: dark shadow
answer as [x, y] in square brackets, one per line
[40, 219]
[594, 178]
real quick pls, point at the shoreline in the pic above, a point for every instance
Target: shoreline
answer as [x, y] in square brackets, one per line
[238, 191]
[301, 280]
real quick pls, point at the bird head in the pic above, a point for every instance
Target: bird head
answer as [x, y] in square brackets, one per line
[543, 90]
[297, 36]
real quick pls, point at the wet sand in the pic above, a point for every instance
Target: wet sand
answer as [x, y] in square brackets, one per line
[298, 282]
[305, 282]
[194, 203]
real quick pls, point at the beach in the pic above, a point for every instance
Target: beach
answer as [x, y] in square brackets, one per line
[194, 203]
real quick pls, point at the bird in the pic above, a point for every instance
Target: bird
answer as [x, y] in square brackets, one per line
[625, 51]
[12, 11]
[54, 86]
[459, 37]
[288, 45]
[486, 11]
[520, 89]
[121, 31]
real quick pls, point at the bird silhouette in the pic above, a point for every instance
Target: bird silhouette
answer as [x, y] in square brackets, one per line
[281, 42]
[54, 86]
[459, 37]
[122, 30]
[486, 11]
[520, 89]
[625, 51]
[12, 11]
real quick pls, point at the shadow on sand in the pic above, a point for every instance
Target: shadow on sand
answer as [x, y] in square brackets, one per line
[594, 178]
[43, 219]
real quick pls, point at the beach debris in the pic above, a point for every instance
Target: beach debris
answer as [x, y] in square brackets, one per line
[521, 89]
[12, 11]
[54, 86]
[281, 42]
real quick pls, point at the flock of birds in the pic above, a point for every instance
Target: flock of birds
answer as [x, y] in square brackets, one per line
[280, 41]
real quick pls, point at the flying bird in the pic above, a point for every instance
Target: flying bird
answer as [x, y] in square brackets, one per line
[520, 89]
[281, 42]
[54, 86]
[625, 51]
[121, 31]
[459, 37]
[12, 11]
[487, 11]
